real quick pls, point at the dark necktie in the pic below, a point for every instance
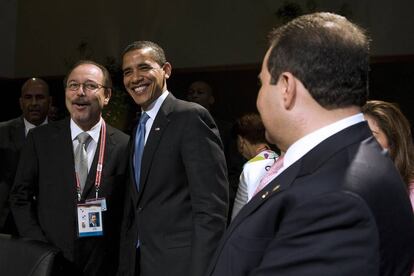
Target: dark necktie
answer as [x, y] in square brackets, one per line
[139, 146]
[81, 158]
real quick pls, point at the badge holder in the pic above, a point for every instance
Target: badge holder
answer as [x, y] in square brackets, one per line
[89, 220]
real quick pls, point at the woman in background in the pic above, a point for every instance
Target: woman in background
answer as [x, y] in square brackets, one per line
[252, 144]
[392, 131]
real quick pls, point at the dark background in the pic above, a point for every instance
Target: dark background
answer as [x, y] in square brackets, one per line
[235, 87]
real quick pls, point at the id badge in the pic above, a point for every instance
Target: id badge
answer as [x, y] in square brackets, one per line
[89, 219]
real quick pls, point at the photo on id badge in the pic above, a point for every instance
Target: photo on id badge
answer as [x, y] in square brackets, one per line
[90, 220]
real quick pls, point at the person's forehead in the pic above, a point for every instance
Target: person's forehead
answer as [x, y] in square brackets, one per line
[35, 89]
[264, 63]
[200, 87]
[143, 55]
[88, 71]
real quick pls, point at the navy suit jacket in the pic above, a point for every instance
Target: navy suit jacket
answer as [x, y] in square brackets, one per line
[342, 209]
[46, 172]
[180, 211]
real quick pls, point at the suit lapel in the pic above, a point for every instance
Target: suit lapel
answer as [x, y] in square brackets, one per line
[158, 127]
[275, 187]
[61, 142]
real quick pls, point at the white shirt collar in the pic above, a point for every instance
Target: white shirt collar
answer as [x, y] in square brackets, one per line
[93, 132]
[311, 140]
[28, 125]
[155, 106]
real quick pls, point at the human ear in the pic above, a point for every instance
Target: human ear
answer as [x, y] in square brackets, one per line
[167, 69]
[288, 82]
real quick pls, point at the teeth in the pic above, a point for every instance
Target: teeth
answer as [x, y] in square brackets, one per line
[139, 89]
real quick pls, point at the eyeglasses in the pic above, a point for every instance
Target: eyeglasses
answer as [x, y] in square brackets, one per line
[89, 86]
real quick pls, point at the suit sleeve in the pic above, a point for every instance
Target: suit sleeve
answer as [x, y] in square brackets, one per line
[22, 202]
[205, 166]
[330, 235]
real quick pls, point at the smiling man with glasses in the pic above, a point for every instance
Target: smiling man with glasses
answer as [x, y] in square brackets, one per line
[75, 168]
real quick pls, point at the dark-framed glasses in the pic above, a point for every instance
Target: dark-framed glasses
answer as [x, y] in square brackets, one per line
[89, 86]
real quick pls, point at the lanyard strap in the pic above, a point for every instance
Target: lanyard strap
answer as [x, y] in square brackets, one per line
[99, 166]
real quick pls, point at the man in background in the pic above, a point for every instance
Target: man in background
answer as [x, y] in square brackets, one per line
[34, 102]
[202, 93]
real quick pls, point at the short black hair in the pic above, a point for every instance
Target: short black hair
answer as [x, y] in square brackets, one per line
[157, 52]
[327, 53]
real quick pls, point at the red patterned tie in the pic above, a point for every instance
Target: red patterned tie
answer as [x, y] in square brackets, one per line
[270, 174]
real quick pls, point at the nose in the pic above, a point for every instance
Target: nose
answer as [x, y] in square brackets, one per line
[136, 76]
[81, 91]
[33, 101]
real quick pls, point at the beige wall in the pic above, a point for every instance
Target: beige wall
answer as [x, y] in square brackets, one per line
[195, 33]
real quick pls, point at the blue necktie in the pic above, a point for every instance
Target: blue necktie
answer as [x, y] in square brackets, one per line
[139, 146]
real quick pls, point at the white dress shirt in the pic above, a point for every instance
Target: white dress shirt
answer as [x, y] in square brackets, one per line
[152, 112]
[302, 146]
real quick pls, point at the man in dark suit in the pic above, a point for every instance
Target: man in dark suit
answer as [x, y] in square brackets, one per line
[176, 209]
[337, 206]
[202, 93]
[35, 103]
[47, 189]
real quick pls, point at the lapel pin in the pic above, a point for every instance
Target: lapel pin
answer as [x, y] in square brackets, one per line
[276, 188]
[157, 129]
[265, 195]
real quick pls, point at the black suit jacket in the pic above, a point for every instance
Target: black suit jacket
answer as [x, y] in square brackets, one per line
[46, 171]
[341, 209]
[12, 136]
[180, 212]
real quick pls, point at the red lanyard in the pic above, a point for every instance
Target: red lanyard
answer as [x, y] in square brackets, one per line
[99, 166]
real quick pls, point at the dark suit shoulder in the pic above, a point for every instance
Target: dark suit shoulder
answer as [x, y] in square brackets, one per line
[181, 105]
[51, 127]
[16, 122]
[118, 135]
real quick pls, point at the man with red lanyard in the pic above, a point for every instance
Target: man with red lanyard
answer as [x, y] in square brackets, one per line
[72, 172]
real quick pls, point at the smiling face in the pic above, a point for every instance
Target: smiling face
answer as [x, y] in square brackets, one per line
[85, 106]
[144, 78]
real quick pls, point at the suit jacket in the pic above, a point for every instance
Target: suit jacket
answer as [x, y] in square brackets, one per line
[12, 136]
[342, 209]
[46, 172]
[180, 211]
